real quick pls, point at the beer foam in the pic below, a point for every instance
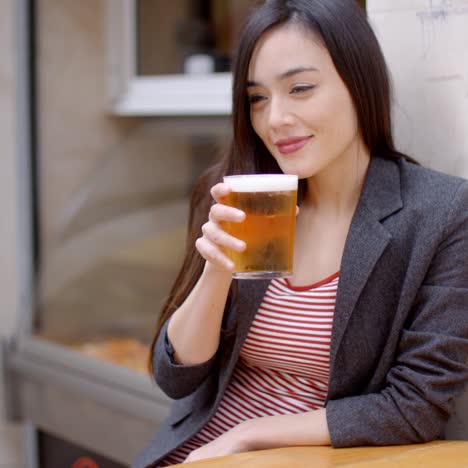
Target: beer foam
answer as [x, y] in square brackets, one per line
[262, 182]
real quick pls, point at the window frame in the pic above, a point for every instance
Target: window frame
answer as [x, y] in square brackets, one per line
[165, 95]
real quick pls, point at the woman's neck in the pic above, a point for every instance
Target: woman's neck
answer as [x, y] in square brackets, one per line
[335, 191]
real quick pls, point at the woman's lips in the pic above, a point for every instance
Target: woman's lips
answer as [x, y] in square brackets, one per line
[291, 145]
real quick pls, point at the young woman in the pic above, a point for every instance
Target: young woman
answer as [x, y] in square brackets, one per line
[367, 343]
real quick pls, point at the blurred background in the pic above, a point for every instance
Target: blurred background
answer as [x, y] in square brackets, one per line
[109, 111]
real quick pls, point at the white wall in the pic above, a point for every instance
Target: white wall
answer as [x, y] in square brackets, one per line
[426, 46]
[10, 435]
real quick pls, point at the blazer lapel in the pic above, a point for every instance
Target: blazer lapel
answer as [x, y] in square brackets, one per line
[366, 241]
[250, 296]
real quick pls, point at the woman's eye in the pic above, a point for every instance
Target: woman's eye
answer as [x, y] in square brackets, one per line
[254, 98]
[301, 89]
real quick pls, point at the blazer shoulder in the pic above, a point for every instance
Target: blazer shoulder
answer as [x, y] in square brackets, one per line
[429, 188]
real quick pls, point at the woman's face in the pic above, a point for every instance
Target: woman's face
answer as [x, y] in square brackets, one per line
[299, 106]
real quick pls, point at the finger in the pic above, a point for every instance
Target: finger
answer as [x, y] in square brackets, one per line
[216, 235]
[213, 254]
[220, 212]
[297, 210]
[219, 191]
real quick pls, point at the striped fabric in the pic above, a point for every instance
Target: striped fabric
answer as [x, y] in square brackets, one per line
[283, 366]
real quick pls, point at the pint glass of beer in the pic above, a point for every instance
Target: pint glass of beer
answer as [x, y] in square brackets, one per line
[269, 202]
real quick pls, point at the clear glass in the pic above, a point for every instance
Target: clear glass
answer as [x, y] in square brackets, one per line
[269, 202]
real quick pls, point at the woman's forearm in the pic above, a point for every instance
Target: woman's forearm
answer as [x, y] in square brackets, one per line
[270, 432]
[194, 328]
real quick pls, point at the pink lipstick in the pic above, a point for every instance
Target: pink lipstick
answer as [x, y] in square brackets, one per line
[292, 144]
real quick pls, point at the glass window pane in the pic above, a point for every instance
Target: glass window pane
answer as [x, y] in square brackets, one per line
[121, 242]
[172, 35]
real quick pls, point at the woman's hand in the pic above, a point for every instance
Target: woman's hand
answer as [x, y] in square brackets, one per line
[232, 441]
[269, 432]
[214, 238]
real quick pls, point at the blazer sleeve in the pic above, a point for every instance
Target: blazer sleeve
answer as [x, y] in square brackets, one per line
[431, 363]
[176, 380]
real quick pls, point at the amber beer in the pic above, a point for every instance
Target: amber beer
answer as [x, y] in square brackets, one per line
[269, 202]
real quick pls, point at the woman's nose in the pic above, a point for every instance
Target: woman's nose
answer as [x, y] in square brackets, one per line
[279, 114]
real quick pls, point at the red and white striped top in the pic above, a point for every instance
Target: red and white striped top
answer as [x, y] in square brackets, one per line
[283, 366]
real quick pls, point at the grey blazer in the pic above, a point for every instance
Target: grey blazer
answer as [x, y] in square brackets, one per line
[400, 332]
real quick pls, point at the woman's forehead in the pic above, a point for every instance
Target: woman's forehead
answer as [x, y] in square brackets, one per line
[285, 48]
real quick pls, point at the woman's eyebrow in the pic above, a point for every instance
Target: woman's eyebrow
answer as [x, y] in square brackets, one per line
[295, 71]
[286, 74]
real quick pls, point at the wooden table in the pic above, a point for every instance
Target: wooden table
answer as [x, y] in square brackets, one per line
[438, 454]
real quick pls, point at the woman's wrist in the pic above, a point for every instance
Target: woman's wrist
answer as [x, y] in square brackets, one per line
[309, 428]
[210, 271]
[245, 435]
[249, 434]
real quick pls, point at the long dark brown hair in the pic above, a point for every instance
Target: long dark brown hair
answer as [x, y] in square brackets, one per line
[343, 28]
